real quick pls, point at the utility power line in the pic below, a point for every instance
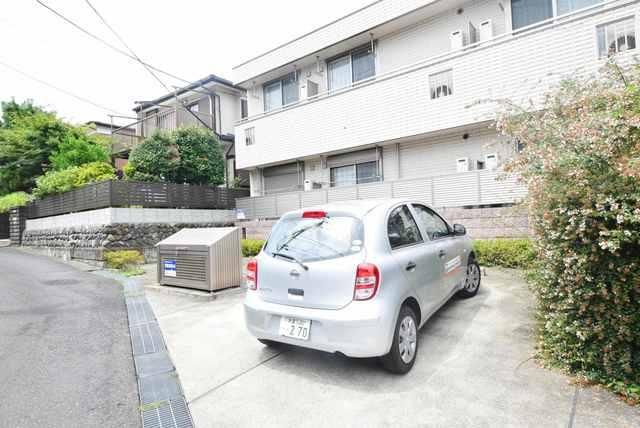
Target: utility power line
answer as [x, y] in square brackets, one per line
[57, 88]
[109, 45]
[115, 33]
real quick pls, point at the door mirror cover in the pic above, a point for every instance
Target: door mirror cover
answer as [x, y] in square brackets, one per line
[459, 230]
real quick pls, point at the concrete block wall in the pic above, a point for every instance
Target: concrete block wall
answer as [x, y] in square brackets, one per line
[481, 223]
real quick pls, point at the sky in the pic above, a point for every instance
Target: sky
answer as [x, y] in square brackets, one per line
[188, 38]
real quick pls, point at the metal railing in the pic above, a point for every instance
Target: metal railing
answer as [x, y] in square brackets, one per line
[485, 187]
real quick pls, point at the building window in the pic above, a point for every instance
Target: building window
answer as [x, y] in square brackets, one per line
[616, 37]
[441, 84]
[360, 173]
[528, 12]
[249, 136]
[244, 109]
[357, 65]
[281, 92]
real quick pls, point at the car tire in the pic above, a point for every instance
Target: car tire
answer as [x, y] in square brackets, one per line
[401, 358]
[472, 279]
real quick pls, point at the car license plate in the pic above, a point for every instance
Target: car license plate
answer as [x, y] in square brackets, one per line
[294, 327]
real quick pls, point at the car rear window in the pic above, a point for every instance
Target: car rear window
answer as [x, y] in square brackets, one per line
[312, 239]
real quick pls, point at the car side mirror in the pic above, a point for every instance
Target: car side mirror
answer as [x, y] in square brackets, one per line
[459, 230]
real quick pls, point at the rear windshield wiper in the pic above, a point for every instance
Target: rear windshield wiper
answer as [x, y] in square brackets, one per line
[299, 232]
[287, 256]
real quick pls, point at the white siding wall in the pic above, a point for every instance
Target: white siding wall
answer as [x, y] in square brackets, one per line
[517, 67]
[229, 111]
[341, 29]
[431, 37]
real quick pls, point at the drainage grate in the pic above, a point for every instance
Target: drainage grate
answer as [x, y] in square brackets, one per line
[139, 311]
[133, 288]
[146, 338]
[172, 413]
[151, 364]
[159, 387]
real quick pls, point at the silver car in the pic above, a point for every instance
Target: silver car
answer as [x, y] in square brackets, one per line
[359, 278]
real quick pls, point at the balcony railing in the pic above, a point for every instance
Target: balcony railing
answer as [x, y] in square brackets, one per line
[473, 188]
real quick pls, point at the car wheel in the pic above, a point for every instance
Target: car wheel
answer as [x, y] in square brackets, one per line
[404, 348]
[472, 280]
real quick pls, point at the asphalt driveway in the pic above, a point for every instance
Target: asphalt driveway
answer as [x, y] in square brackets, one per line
[65, 352]
[474, 369]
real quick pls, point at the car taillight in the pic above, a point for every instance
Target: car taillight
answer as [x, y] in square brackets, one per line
[367, 281]
[252, 274]
[314, 214]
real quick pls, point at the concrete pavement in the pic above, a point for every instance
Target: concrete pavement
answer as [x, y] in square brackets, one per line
[65, 352]
[474, 369]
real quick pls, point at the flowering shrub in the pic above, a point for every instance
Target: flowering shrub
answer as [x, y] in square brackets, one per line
[581, 163]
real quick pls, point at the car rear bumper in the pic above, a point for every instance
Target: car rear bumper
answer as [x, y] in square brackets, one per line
[360, 329]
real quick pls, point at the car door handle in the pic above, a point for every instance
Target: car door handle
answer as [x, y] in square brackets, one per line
[410, 266]
[442, 253]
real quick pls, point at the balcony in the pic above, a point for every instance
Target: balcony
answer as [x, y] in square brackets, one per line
[170, 119]
[519, 66]
[451, 190]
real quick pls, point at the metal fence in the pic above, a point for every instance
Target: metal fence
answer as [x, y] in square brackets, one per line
[4, 226]
[473, 188]
[122, 193]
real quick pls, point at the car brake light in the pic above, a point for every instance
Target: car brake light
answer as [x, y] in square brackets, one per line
[314, 214]
[367, 281]
[252, 274]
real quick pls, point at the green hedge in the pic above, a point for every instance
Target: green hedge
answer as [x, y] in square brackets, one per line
[251, 247]
[12, 200]
[508, 253]
[72, 178]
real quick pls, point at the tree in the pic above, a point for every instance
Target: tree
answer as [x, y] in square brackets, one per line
[32, 138]
[77, 149]
[187, 155]
[581, 163]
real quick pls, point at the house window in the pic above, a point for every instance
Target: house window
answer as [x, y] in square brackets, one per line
[616, 37]
[350, 68]
[441, 84]
[281, 92]
[193, 108]
[249, 136]
[365, 172]
[528, 12]
[244, 109]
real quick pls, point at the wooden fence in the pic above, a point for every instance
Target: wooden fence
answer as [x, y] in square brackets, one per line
[4, 226]
[122, 193]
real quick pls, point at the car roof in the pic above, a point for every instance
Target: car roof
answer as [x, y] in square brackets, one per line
[358, 208]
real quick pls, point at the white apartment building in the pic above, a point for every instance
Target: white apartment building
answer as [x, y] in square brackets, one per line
[397, 99]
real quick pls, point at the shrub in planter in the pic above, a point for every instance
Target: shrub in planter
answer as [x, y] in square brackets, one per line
[508, 253]
[12, 200]
[581, 164]
[72, 178]
[251, 247]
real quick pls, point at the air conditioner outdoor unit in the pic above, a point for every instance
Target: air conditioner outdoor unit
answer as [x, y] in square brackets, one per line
[486, 30]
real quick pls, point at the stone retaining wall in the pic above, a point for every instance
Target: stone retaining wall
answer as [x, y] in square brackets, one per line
[90, 242]
[481, 223]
